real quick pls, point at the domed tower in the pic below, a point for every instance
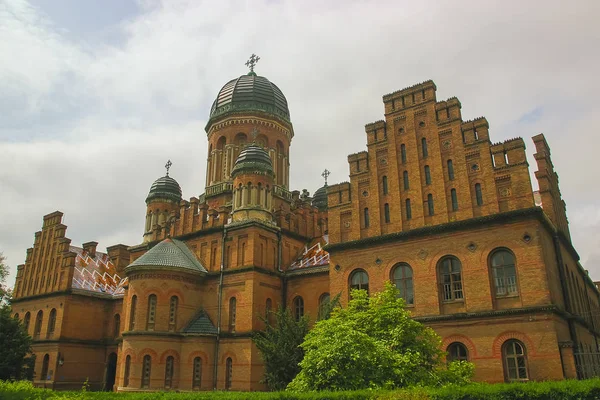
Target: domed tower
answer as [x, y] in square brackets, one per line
[253, 178]
[163, 199]
[243, 104]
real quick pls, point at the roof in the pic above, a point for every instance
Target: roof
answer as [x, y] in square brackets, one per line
[253, 158]
[201, 324]
[170, 253]
[313, 254]
[319, 199]
[96, 274]
[165, 187]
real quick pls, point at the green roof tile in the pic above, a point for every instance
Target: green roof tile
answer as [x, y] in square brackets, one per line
[170, 253]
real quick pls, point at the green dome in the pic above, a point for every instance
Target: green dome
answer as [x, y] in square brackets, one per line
[250, 93]
[320, 198]
[253, 159]
[165, 187]
[169, 254]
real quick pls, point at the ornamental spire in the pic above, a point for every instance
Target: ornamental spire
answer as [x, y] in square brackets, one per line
[168, 166]
[252, 61]
[325, 174]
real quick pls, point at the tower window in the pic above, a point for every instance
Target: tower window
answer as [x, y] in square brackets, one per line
[366, 215]
[450, 170]
[173, 312]
[51, 323]
[232, 314]
[151, 312]
[169, 372]
[386, 211]
[408, 210]
[478, 194]
[228, 373]
[424, 147]
[450, 270]
[427, 175]
[384, 183]
[454, 200]
[504, 272]
[403, 153]
[127, 371]
[197, 373]
[132, 312]
[146, 369]
[402, 276]
[405, 179]
[430, 204]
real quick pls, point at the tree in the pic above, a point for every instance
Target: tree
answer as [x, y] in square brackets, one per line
[373, 343]
[279, 346]
[4, 291]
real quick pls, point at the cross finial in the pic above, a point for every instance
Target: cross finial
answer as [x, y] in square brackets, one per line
[168, 166]
[252, 61]
[325, 174]
[254, 134]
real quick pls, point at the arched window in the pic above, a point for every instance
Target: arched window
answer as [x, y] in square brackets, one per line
[504, 272]
[359, 280]
[169, 366]
[45, 364]
[515, 361]
[366, 215]
[457, 352]
[405, 179]
[228, 373]
[127, 371]
[384, 183]
[450, 170]
[408, 209]
[454, 200]
[403, 153]
[478, 194]
[427, 175]
[197, 373]
[386, 212]
[51, 323]
[117, 325]
[430, 208]
[424, 147]
[298, 308]
[232, 314]
[26, 321]
[451, 279]
[151, 312]
[173, 313]
[38, 324]
[132, 313]
[402, 275]
[146, 369]
[323, 304]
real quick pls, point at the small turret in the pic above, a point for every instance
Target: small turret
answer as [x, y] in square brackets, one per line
[162, 200]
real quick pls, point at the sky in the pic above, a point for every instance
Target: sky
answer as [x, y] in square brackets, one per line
[95, 97]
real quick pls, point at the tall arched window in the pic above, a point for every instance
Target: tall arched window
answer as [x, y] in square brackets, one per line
[173, 313]
[117, 325]
[232, 314]
[169, 367]
[359, 280]
[424, 147]
[197, 374]
[384, 183]
[366, 217]
[405, 179]
[386, 213]
[454, 199]
[450, 271]
[45, 364]
[402, 275]
[457, 352]
[478, 194]
[450, 170]
[323, 305]
[427, 175]
[51, 323]
[26, 321]
[38, 324]
[298, 308]
[127, 371]
[228, 373]
[504, 272]
[403, 153]
[151, 312]
[146, 369]
[430, 208]
[515, 361]
[408, 209]
[132, 308]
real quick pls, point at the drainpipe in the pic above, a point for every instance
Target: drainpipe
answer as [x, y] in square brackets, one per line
[219, 302]
[283, 281]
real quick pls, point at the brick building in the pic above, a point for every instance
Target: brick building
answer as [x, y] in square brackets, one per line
[432, 205]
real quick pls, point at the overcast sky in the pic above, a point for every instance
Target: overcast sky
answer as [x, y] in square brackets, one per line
[95, 96]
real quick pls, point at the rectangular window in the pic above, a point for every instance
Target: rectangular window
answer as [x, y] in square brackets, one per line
[427, 175]
[424, 147]
[403, 153]
[408, 209]
[430, 204]
[454, 200]
[366, 215]
[386, 211]
[450, 170]
[478, 194]
[405, 178]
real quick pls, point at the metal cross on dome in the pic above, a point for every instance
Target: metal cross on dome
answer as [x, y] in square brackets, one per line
[252, 61]
[254, 134]
[168, 166]
[325, 174]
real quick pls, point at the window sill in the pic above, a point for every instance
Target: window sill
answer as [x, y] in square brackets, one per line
[453, 301]
[506, 296]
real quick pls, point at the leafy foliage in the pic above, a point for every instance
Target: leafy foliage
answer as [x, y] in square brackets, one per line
[280, 348]
[4, 290]
[16, 360]
[373, 343]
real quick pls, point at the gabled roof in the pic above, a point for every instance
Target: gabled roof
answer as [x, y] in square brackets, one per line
[201, 324]
[170, 253]
[96, 274]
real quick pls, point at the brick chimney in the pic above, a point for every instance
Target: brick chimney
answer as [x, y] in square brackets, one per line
[90, 248]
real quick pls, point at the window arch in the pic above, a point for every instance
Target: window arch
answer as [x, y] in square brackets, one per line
[232, 314]
[366, 217]
[127, 371]
[478, 194]
[403, 153]
[26, 321]
[457, 352]
[386, 213]
[117, 325]
[323, 304]
[197, 374]
[173, 313]
[359, 279]
[384, 183]
[502, 263]
[405, 180]
[132, 312]
[45, 364]
[408, 209]
[38, 324]
[298, 307]
[454, 198]
[228, 373]
[427, 175]
[515, 361]
[430, 208]
[450, 270]
[151, 312]
[146, 369]
[169, 367]
[450, 170]
[424, 147]
[51, 323]
[402, 276]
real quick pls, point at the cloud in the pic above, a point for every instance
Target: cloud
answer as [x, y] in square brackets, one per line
[88, 124]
